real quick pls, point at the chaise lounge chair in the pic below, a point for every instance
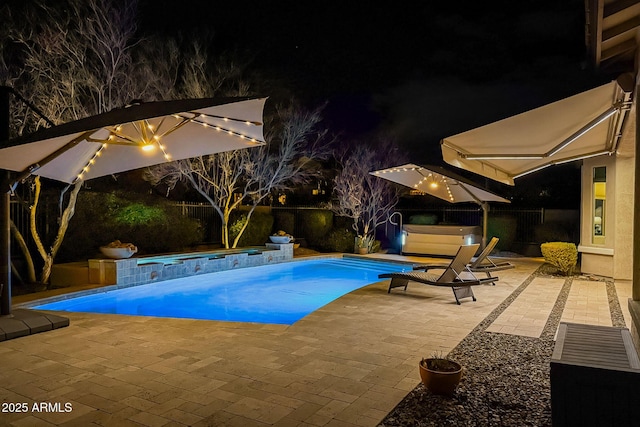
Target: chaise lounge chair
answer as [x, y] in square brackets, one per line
[482, 264]
[451, 277]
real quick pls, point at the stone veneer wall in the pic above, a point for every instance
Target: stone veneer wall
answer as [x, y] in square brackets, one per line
[127, 272]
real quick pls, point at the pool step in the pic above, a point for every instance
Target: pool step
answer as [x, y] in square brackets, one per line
[373, 266]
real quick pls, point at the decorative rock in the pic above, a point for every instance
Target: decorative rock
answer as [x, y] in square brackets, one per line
[506, 381]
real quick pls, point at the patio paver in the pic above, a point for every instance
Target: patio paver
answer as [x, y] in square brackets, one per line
[528, 314]
[587, 303]
[347, 364]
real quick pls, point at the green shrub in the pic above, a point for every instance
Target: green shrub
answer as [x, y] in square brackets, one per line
[562, 255]
[151, 223]
[316, 224]
[342, 222]
[339, 240]
[257, 232]
[139, 214]
[235, 226]
[284, 221]
[503, 227]
[423, 219]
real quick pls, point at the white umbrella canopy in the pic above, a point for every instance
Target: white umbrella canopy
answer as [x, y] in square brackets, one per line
[584, 125]
[437, 182]
[123, 139]
[137, 136]
[442, 184]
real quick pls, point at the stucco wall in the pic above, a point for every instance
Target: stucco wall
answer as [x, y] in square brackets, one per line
[623, 256]
[598, 258]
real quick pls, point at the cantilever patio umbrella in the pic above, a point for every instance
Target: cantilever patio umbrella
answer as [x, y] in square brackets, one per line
[443, 184]
[137, 136]
[123, 139]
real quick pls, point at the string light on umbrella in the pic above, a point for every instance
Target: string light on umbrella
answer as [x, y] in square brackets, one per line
[147, 136]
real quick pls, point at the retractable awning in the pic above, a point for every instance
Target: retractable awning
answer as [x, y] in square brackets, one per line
[585, 125]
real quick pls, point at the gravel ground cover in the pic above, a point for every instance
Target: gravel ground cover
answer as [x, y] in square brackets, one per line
[506, 379]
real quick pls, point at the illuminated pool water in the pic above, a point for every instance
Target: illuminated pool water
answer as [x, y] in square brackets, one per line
[281, 293]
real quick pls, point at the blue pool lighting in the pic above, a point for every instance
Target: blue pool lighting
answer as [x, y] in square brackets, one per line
[280, 293]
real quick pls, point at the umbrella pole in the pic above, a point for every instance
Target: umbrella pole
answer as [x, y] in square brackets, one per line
[5, 252]
[485, 222]
[5, 219]
[485, 213]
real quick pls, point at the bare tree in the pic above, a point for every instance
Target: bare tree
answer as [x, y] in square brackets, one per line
[216, 178]
[226, 180]
[77, 59]
[287, 160]
[364, 198]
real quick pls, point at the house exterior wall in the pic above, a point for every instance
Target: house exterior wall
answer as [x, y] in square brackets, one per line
[623, 257]
[597, 257]
[613, 257]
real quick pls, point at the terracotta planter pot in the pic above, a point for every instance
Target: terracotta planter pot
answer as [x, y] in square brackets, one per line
[440, 382]
[363, 251]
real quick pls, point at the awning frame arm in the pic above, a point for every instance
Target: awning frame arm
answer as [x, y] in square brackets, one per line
[555, 150]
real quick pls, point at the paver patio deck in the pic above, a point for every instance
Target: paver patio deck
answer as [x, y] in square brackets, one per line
[587, 303]
[347, 364]
[528, 314]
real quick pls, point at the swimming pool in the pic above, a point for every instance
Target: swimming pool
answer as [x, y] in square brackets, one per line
[281, 293]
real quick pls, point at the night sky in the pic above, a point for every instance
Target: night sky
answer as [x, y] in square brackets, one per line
[426, 70]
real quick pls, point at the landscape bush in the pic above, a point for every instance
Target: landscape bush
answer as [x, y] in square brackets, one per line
[504, 227]
[257, 232]
[339, 239]
[562, 255]
[316, 224]
[284, 221]
[423, 219]
[342, 222]
[151, 223]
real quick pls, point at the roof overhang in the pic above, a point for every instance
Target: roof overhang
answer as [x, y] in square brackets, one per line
[611, 33]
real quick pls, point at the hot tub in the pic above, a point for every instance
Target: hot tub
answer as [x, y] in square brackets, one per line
[438, 239]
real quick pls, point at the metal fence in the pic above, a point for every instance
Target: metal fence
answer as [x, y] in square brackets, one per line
[20, 215]
[207, 216]
[526, 219]
[212, 224]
